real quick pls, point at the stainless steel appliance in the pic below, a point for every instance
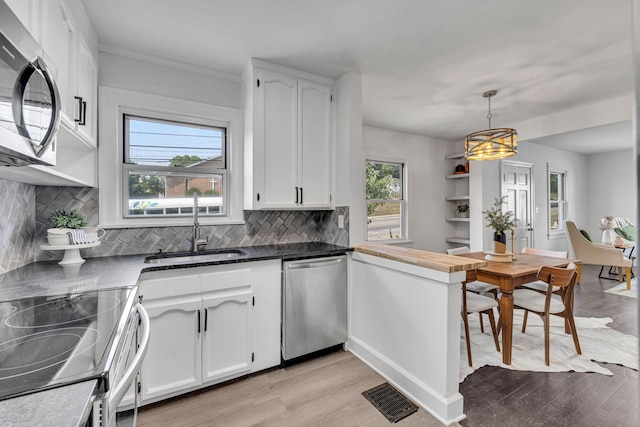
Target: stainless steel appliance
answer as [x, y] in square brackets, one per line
[314, 305]
[53, 341]
[29, 99]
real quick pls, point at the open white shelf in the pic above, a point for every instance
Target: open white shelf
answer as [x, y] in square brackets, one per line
[457, 219]
[460, 240]
[456, 198]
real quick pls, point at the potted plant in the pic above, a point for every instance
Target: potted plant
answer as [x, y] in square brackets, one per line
[64, 221]
[499, 221]
[462, 210]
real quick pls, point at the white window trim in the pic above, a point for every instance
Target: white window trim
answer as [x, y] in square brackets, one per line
[561, 232]
[114, 103]
[372, 156]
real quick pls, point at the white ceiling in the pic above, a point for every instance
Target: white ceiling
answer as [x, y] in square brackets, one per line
[424, 64]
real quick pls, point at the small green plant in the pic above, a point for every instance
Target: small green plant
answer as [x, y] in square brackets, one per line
[68, 219]
[499, 220]
[462, 208]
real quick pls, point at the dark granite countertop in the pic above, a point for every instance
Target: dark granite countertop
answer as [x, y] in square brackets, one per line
[49, 278]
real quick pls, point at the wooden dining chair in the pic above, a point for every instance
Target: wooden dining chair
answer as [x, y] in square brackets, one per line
[477, 303]
[558, 303]
[539, 285]
[477, 286]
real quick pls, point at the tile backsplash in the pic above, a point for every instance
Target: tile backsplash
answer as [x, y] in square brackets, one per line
[17, 224]
[22, 235]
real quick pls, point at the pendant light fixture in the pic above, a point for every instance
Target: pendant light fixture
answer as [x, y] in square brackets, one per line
[491, 144]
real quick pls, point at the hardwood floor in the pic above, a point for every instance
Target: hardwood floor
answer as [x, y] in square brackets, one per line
[321, 392]
[500, 397]
[326, 391]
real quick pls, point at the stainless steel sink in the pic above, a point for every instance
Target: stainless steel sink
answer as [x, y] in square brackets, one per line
[190, 258]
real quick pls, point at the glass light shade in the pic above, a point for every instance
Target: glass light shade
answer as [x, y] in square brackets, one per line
[491, 144]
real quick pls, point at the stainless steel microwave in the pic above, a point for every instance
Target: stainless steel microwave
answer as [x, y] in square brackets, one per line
[29, 98]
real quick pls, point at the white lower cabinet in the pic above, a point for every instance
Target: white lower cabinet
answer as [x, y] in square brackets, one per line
[227, 326]
[172, 362]
[209, 325]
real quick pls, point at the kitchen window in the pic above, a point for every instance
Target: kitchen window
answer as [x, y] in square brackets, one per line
[557, 202]
[157, 151]
[386, 208]
[165, 163]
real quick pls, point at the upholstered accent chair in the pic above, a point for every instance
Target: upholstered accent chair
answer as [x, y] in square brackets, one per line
[596, 254]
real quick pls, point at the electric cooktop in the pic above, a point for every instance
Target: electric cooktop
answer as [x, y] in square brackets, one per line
[51, 341]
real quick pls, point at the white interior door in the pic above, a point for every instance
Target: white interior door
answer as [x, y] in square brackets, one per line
[516, 185]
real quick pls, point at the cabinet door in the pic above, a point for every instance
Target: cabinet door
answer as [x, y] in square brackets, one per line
[275, 135]
[315, 144]
[58, 42]
[87, 89]
[24, 10]
[227, 336]
[173, 359]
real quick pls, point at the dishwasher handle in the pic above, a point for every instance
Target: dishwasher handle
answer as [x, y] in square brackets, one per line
[118, 392]
[314, 264]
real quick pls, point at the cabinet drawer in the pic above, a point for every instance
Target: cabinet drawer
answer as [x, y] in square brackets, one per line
[221, 280]
[164, 287]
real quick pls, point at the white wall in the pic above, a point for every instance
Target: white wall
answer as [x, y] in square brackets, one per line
[424, 160]
[612, 188]
[182, 83]
[349, 164]
[578, 196]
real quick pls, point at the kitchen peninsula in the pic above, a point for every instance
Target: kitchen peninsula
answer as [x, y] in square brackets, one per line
[405, 321]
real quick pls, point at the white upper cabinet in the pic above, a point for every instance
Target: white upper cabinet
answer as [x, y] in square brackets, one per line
[73, 65]
[276, 139]
[25, 10]
[314, 127]
[289, 144]
[58, 40]
[86, 92]
[69, 46]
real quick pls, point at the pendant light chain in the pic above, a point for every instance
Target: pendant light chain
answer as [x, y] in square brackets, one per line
[489, 115]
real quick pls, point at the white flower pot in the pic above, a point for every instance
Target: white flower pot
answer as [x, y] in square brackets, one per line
[606, 237]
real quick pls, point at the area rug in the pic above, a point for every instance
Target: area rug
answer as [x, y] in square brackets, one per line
[598, 342]
[621, 289]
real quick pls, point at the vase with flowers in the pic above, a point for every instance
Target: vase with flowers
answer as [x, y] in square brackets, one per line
[606, 226]
[499, 221]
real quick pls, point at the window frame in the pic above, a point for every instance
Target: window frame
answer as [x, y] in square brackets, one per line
[114, 104]
[403, 202]
[127, 167]
[559, 232]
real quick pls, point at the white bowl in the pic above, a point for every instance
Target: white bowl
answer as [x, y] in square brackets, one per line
[58, 236]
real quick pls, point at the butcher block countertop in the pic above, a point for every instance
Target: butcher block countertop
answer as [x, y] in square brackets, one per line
[432, 260]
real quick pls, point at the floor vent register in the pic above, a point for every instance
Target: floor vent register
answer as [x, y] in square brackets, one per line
[390, 402]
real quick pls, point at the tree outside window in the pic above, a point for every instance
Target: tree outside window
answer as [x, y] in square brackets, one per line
[556, 201]
[385, 201]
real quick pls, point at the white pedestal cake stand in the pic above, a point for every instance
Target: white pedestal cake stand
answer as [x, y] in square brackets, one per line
[71, 252]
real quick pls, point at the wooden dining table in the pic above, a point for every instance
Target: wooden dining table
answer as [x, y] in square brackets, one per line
[509, 275]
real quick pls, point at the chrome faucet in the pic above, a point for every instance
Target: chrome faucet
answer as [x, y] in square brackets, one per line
[197, 242]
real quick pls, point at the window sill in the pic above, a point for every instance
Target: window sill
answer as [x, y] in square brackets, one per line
[155, 222]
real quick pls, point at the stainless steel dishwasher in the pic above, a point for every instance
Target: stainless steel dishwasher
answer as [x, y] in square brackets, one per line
[314, 310]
